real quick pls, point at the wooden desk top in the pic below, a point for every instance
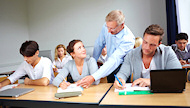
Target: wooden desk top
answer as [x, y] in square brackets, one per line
[46, 93]
[156, 99]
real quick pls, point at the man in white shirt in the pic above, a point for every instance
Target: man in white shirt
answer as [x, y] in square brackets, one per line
[39, 69]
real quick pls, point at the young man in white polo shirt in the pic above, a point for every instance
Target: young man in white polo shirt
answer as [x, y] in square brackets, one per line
[39, 69]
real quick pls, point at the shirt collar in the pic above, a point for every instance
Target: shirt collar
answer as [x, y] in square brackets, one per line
[180, 50]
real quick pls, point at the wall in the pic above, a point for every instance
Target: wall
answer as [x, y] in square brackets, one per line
[13, 31]
[51, 22]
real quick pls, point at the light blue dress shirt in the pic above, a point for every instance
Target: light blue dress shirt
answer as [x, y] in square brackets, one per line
[117, 47]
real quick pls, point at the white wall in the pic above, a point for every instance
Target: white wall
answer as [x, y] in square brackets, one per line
[13, 31]
[51, 22]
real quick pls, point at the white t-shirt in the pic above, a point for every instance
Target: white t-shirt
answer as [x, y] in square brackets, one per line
[42, 69]
[59, 64]
[146, 72]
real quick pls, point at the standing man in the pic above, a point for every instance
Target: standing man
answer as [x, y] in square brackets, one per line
[181, 48]
[119, 40]
[151, 55]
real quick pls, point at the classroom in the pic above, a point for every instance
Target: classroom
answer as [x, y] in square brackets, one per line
[53, 22]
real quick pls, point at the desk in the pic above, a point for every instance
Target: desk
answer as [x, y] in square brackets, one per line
[112, 99]
[43, 97]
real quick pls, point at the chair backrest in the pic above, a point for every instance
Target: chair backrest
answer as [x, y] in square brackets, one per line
[46, 53]
[89, 50]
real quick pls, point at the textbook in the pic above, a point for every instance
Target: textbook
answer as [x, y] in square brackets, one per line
[70, 91]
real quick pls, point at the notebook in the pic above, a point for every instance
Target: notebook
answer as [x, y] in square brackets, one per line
[168, 81]
[15, 92]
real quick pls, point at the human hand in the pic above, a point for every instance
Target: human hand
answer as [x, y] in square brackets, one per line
[86, 81]
[183, 62]
[27, 81]
[142, 82]
[55, 69]
[64, 85]
[119, 86]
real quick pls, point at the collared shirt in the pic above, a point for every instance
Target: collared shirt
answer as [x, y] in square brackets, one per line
[59, 64]
[182, 55]
[42, 69]
[117, 47]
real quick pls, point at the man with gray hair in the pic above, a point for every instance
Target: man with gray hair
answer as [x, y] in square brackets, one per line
[119, 40]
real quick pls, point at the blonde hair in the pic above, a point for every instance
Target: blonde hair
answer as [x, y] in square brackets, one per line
[116, 15]
[138, 41]
[56, 50]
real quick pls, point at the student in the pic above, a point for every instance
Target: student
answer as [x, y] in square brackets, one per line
[150, 55]
[119, 40]
[39, 69]
[61, 58]
[81, 65]
[181, 48]
[138, 42]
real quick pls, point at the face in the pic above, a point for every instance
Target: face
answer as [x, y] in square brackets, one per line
[79, 51]
[181, 44]
[113, 27]
[60, 52]
[150, 43]
[31, 60]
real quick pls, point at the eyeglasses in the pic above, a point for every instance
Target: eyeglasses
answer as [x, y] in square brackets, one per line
[113, 29]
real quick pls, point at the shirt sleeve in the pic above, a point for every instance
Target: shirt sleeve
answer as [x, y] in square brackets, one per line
[47, 69]
[93, 67]
[62, 75]
[18, 73]
[99, 44]
[115, 59]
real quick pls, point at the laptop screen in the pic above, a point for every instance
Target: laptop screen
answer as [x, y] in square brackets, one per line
[171, 80]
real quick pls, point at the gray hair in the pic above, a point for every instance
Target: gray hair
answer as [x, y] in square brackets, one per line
[116, 15]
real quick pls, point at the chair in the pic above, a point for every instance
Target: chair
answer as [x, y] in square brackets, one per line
[46, 53]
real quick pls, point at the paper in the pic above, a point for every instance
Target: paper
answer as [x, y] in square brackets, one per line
[8, 87]
[71, 88]
[129, 88]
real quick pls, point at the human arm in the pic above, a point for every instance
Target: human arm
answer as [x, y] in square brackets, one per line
[117, 48]
[61, 76]
[117, 85]
[4, 83]
[171, 60]
[41, 82]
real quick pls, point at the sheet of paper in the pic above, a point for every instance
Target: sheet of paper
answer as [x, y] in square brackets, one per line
[129, 88]
[71, 88]
[8, 87]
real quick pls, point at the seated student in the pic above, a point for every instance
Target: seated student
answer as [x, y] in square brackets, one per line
[61, 58]
[81, 65]
[181, 48]
[138, 42]
[39, 69]
[150, 55]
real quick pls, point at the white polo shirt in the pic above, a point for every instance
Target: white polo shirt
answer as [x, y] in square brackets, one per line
[42, 69]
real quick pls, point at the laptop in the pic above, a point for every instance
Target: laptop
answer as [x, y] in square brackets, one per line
[168, 81]
[15, 92]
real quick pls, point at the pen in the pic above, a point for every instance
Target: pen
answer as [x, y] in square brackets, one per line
[118, 80]
[64, 79]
